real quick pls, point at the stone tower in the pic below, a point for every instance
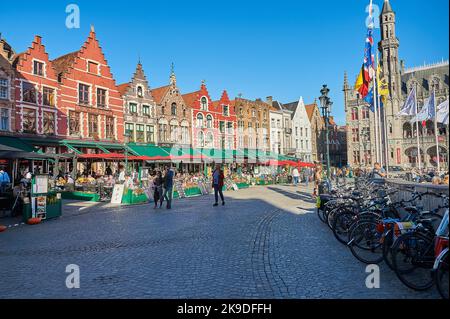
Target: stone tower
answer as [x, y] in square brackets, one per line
[390, 66]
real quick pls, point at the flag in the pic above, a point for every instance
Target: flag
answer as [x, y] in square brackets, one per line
[383, 89]
[409, 108]
[367, 72]
[442, 114]
[369, 100]
[427, 112]
[362, 86]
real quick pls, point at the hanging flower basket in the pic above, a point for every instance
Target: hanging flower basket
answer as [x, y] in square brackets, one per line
[3, 228]
[34, 221]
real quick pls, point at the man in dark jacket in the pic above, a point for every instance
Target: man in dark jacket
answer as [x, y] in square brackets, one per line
[168, 187]
[218, 178]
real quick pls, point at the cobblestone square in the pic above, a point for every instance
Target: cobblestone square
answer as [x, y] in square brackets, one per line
[266, 242]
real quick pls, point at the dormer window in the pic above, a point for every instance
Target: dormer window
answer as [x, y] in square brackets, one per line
[204, 103]
[38, 68]
[140, 92]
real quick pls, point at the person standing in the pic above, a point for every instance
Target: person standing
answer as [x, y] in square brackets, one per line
[4, 180]
[295, 175]
[317, 179]
[157, 188]
[218, 178]
[168, 187]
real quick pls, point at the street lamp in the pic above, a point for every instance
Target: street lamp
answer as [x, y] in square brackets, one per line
[325, 105]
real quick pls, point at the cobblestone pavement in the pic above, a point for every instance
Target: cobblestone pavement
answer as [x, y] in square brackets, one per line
[267, 242]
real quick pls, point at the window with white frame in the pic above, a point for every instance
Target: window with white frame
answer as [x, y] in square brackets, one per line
[199, 120]
[83, 94]
[49, 123]
[28, 92]
[48, 96]
[38, 68]
[101, 98]
[204, 103]
[4, 88]
[226, 110]
[4, 120]
[132, 108]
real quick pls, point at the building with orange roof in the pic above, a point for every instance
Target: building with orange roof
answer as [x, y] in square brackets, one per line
[90, 98]
[39, 113]
[317, 132]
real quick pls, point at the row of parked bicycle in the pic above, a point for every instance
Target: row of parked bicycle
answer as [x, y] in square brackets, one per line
[413, 242]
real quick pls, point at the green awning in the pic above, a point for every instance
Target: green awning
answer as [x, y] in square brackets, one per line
[16, 143]
[148, 150]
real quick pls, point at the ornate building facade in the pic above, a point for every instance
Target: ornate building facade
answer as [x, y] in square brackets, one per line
[317, 132]
[7, 88]
[89, 96]
[253, 128]
[139, 109]
[173, 115]
[401, 148]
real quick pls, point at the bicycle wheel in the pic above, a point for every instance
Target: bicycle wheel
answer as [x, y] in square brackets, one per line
[365, 242]
[388, 241]
[341, 225]
[441, 276]
[412, 259]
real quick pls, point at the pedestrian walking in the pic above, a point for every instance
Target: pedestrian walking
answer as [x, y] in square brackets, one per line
[295, 175]
[4, 180]
[157, 188]
[218, 178]
[317, 179]
[168, 187]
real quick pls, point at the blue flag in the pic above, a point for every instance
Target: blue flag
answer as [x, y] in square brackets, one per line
[369, 100]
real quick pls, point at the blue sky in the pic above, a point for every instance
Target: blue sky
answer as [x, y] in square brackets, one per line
[282, 48]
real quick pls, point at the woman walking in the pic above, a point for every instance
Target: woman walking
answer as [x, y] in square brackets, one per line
[157, 188]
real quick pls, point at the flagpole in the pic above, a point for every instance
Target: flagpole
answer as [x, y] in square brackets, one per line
[380, 136]
[375, 113]
[419, 160]
[436, 132]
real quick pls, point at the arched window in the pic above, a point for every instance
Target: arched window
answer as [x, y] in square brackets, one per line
[184, 112]
[253, 113]
[199, 120]
[209, 121]
[139, 91]
[163, 110]
[204, 103]
[355, 114]
[407, 130]
[201, 139]
[209, 140]
[174, 109]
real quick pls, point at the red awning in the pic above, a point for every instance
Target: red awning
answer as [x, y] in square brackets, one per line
[102, 156]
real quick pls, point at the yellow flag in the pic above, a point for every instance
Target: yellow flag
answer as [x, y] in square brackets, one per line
[359, 80]
[383, 89]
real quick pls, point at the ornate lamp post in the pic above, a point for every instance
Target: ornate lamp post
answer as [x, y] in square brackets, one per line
[325, 105]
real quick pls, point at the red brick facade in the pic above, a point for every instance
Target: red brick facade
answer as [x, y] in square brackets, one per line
[37, 94]
[210, 126]
[89, 95]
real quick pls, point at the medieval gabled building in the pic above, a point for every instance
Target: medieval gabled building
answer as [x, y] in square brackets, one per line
[400, 142]
[205, 122]
[226, 117]
[318, 141]
[89, 96]
[7, 88]
[173, 115]
[139, 109]
[253, 128]
[38, 114]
